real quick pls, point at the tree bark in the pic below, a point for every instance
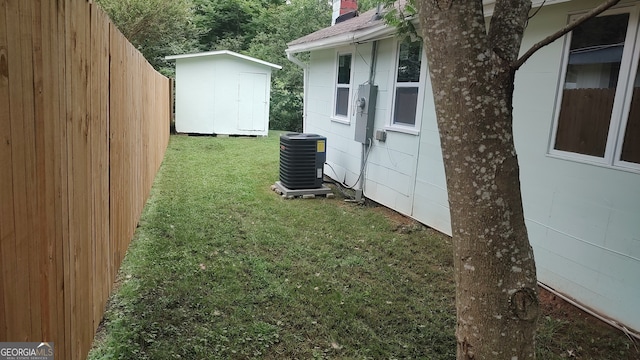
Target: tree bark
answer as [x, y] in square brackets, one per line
[472, 78]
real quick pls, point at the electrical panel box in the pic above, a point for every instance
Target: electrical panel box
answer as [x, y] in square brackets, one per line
[365, 112]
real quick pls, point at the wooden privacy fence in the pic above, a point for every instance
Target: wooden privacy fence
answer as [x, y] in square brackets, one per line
[84, 123]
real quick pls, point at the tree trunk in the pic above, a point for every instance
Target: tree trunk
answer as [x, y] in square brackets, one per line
[472, 78]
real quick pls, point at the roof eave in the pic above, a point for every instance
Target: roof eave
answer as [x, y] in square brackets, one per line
[381, 31]
[375, 32]
[489, 5]
[223, 52]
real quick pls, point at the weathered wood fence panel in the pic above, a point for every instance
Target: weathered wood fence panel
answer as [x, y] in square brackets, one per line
[84, 123]
[584, 120]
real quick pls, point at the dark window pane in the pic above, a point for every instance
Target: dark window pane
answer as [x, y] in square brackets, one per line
[342, 101]
[406, 104]
[602, 30]
[344, 69]
[590, 85]
[631, 144]
[409, 60]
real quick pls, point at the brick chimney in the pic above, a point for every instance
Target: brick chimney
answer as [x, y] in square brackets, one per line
[341, 7]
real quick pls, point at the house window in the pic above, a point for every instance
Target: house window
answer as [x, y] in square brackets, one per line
[343, 86]
[407, 84]
[598, 115]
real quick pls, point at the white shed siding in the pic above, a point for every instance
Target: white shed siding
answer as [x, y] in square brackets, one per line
[230, 92]
[222, 93]
[583, 220]
[195, 86]
[226, 95]
[253, 106]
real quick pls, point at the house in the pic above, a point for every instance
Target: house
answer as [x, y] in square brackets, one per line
[222, 92]
[576, 129]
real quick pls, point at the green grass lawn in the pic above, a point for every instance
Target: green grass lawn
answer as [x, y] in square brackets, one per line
[222, 267]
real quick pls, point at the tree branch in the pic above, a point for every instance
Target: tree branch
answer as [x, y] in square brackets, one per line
[560, 33]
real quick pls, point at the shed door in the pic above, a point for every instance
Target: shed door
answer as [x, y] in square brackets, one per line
[252, 99]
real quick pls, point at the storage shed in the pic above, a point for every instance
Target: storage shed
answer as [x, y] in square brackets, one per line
[222, 92]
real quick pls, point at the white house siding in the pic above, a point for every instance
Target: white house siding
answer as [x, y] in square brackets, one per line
[583, 220]
[394, 175]
[343, 154]
[391, 165]
[390, 175]
[431, 202]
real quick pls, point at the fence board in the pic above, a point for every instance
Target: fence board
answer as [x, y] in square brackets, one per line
[584, 120]
[30, 34]
[6, 185]
[77, 187]
[80, 143]
[40, 238]
[58, 77]
[115, 145]
[68, 241]
[100, 161]
[80, 188]
[46, 113]
[19, 322]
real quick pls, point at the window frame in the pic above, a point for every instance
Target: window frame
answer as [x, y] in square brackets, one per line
[334, 115]
[626, 106]
[622, 100]
[394, 85]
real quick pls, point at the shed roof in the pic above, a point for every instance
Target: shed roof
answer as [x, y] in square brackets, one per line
[223, 53]
[368, 26]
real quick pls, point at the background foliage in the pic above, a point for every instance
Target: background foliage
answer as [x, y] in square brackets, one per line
[156, 27]
[258, 28]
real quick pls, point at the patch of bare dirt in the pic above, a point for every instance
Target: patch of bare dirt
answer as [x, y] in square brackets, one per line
[553, 305]
[583, 335]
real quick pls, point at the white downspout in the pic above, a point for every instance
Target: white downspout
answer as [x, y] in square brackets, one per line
[305, 82]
